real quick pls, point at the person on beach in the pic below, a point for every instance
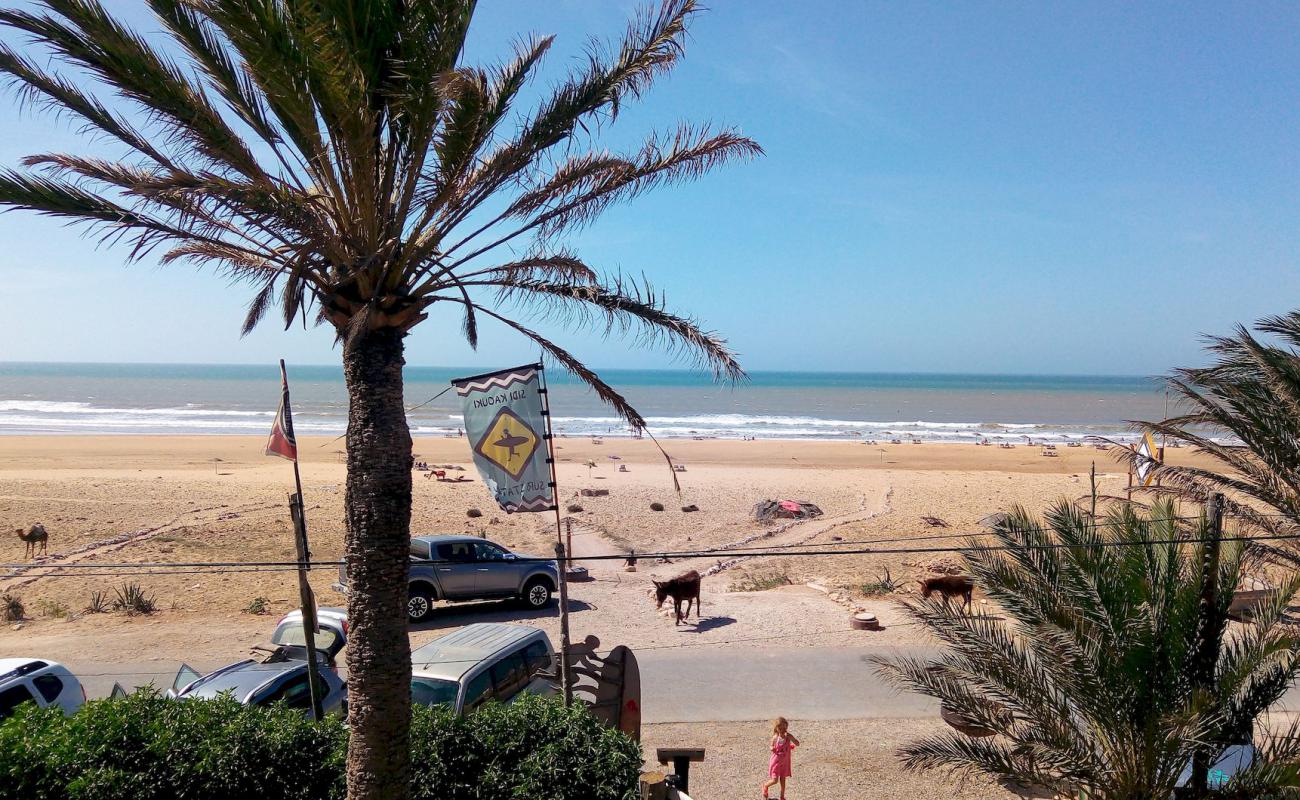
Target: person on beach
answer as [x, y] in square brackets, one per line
[783, 745]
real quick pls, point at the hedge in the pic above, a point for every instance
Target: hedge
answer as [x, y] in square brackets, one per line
[145, 747]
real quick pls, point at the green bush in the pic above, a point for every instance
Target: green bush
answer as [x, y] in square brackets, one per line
[145, 747]
[531, 748]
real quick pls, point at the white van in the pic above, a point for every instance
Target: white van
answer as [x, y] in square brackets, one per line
[45, 683]
[482, 662]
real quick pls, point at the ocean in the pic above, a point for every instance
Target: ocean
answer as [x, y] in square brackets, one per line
[232, 399]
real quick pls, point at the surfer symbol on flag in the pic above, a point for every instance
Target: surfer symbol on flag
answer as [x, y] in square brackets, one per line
[508, 442]
[505, 417]
[1146, 461]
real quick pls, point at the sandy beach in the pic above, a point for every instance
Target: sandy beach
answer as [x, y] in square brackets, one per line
[111, 499]
[127, 500]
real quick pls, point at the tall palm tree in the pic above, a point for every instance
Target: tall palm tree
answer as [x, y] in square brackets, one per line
[1244, 412]
[340, 157]
[1087, 687]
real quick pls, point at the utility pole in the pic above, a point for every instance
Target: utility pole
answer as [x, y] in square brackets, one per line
[563, 564]
[1210, 626]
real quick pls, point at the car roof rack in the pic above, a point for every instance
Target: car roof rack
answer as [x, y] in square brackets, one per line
[25, 669]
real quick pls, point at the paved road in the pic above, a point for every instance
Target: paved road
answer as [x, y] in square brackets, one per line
[707, 684]
[723, 684]
[689, 684]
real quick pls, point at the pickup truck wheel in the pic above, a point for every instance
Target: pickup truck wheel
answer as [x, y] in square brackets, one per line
[537, 593]
[419, 604]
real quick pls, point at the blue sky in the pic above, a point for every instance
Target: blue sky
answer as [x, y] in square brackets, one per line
[969, 187]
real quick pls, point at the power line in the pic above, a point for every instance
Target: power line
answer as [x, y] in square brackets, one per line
[130, 569]
[146, 570]
[679, 646]
[724, 550]
[958, 535]
[222, 567]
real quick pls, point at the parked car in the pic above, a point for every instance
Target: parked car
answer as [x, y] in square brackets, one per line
[279, 673]
[43, 682]
[482, 662]
[470, 568]
[290, 639]
[254, 683]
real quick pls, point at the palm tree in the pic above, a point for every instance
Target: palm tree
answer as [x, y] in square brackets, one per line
[339, 157]
[1244, 412]
[1087, 687]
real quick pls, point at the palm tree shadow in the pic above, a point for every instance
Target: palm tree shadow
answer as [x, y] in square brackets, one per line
[708, 624]
[459, 614]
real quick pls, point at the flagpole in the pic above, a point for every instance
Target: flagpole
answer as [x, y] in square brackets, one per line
[305, 597]
[561, 560]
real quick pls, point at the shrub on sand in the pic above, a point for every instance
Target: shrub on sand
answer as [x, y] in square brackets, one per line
[12, 609]
[132, 599]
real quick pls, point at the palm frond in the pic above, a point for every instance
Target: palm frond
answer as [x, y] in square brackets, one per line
[1084, 688]
[576, 368]
[121, 58]
[1243, 412]
[620, 304]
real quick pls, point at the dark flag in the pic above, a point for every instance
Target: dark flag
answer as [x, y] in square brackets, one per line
[281, 442]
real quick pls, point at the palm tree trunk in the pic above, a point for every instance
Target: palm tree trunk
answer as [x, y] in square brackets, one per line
[378, 543]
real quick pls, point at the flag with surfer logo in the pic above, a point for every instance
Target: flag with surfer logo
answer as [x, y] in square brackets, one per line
[505, 420]
[1147, 460]
[281, 442]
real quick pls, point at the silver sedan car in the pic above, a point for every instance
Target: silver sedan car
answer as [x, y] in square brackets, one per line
[280, 675]
[257, 684]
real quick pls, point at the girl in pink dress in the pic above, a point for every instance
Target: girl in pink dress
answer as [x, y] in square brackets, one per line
[783, 745]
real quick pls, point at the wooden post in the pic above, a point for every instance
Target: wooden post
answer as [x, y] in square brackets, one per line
[1128, 492]
[1092, 479]
[1209, 632]
[568, 534]
[306, 598]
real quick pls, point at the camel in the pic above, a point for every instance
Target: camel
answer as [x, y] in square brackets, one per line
[684, 587]
[949, 586]
[34, 538]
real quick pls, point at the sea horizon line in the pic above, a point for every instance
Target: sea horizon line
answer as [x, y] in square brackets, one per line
[701, 372]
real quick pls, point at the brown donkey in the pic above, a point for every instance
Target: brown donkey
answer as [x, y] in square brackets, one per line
[684, 587]
[949, 586]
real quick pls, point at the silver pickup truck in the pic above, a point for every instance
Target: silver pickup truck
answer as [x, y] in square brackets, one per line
[470, 568]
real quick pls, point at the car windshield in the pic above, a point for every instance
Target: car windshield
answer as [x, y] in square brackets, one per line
[420, 550]
[291, 633]
[433, 692]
